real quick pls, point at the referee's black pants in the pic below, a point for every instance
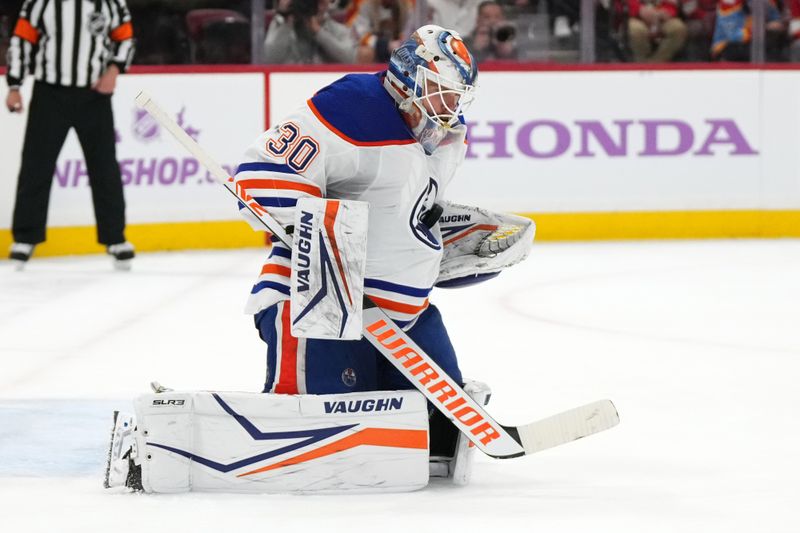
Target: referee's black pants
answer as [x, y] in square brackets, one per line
[53, 111]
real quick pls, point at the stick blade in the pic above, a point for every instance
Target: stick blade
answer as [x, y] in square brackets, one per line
[568, 426]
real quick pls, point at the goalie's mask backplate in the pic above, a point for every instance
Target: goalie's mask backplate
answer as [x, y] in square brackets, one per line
[435, 72]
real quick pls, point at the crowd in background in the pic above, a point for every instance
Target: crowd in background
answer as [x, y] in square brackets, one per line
[170, 32]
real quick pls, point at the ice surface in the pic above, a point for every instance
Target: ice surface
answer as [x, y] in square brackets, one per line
[698, 344]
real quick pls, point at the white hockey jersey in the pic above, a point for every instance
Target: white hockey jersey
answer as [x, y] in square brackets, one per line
[350, 142]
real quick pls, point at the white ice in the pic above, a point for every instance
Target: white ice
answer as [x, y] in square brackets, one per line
[697, 343]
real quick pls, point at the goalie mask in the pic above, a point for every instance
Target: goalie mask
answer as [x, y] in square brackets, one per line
[432, 77]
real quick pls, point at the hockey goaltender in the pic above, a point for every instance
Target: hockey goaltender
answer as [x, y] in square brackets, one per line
[363, 391]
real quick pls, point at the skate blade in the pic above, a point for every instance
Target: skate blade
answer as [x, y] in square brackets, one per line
[106, 477]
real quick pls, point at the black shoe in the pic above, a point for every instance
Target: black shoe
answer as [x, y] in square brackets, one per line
[20, 253]
[122, 254]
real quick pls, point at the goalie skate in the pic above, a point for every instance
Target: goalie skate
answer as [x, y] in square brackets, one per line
[121, 464]
[458, 467]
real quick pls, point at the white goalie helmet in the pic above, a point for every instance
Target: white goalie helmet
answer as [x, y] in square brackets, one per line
[434, 72]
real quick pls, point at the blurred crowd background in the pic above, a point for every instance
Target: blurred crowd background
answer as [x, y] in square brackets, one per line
[176, 32]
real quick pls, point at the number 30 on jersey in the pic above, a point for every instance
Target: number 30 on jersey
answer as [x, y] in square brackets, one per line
[298, 150]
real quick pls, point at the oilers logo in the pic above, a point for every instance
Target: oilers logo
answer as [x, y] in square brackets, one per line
[423, 204]
[349, 377]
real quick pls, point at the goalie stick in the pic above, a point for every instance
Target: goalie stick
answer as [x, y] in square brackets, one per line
[418, 367]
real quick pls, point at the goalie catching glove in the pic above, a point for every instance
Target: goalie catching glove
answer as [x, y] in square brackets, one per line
[478, 243]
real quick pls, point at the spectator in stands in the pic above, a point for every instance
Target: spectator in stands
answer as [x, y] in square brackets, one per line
[564, 15]
[733, 29]
[611, 31]
[303, 32]
[700, 16]
[458, 15]
[494, 36]
[794, 30]
[380, 26]
[655, 31]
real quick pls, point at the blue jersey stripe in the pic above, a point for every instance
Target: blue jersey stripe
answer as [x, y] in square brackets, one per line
[275, 201]
[258, 287]
[272, 201]
[394, 287]
[280, 252]
[263, 166]
[404, 323]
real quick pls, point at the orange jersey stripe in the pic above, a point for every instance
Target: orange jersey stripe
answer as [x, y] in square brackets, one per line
[268, 183]
[393, 438]
[24, 30]
[122, 32]
[391, 305]
[277, 269]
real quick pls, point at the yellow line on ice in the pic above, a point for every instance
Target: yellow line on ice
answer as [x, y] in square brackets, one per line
[549, 227]
[81, 240]
[665, 225]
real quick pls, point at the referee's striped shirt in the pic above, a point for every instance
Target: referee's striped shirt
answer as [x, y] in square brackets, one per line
[70, 42]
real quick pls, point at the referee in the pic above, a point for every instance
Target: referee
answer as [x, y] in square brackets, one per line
[75, 49]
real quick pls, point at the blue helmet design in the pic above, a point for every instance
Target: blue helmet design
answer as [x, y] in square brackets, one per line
[433, 74]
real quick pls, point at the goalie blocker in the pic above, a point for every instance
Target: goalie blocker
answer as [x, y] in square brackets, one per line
[329, 254]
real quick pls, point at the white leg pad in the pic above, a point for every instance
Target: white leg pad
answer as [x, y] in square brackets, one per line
[269, 443]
